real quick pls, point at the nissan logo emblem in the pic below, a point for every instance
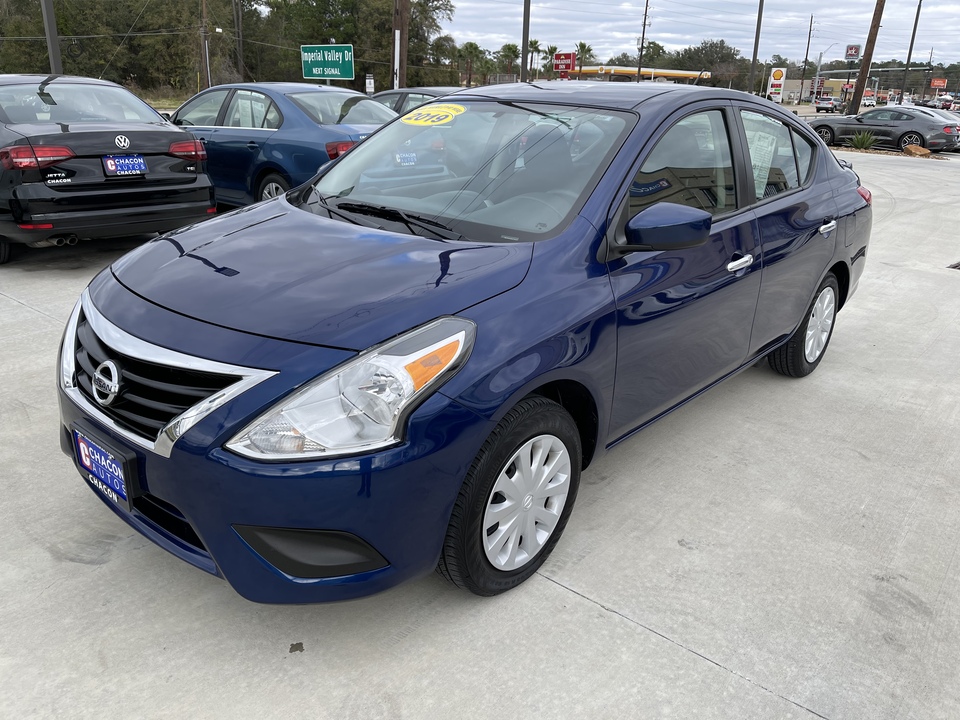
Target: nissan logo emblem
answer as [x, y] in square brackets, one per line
[106, 382]
[122, 141]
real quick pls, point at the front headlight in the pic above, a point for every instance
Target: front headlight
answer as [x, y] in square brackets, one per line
[360, 406]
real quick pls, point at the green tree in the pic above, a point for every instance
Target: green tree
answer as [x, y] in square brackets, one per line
[534, 49]
[472, 54]
[584, 54]
[548, 60]
[508, 55]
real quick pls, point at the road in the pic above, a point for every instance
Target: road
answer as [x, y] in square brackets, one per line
[776, 549]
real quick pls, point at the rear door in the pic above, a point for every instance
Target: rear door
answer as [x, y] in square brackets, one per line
[684, 318]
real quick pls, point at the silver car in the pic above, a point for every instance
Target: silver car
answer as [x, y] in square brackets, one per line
[892, 126]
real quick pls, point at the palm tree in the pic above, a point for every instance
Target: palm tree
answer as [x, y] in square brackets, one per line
[548, 59]
[471, 53]
[534, 47]
[584, 51]
[508, 55]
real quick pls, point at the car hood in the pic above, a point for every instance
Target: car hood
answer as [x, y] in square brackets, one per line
[278, 271]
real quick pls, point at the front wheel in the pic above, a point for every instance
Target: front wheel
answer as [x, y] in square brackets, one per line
[804, 350]
[825, 133]
[515, 500]
[911, 138]
[272, 186]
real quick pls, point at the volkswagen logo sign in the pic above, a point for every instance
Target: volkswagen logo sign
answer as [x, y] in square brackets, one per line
[106, 382]
[122, 141]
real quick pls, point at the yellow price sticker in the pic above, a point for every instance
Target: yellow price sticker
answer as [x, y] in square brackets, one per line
[428, 115]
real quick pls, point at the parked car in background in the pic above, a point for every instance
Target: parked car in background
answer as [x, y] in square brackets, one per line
[868, 102]
[264, 138]
[403, 365]
[404, 100]
[83, 158]
[825, 103]
[893, 126]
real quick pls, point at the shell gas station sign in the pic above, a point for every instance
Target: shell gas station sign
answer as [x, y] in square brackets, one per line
[775, 84]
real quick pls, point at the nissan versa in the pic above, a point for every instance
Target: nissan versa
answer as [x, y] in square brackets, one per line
[406, 363]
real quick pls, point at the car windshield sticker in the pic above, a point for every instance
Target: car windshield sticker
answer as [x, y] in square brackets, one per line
[439, 114]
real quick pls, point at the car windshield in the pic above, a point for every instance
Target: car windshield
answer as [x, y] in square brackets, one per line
[72, 103]
[489, 171]
[333, 108]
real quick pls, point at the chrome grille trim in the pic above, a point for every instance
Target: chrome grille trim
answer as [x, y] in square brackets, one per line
[127, 344]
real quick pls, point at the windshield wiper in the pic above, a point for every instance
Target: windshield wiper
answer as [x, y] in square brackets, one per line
[318, 199]
[411, 221]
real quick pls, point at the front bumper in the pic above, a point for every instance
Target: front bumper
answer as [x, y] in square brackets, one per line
[285, 532]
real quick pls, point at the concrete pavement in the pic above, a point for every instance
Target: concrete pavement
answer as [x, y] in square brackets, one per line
[776, 549]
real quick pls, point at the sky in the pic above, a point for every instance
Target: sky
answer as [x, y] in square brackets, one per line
[612, 27]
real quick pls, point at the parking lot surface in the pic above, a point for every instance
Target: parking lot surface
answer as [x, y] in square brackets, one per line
[775, 549]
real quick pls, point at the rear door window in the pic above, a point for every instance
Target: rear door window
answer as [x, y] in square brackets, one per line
[771, 154]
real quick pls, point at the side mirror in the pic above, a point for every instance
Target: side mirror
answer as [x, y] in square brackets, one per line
[668, 226]
[166, 116]
[859, 118]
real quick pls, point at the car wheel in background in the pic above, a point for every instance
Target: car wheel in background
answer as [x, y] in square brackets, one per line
[272, 186]
[515, 500]
[910, 138]
[5, 252]
[805, 349]
[826, 133]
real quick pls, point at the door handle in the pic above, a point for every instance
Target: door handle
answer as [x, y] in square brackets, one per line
[744, 262]
[203, 140]
[252, 145]
[828, 228]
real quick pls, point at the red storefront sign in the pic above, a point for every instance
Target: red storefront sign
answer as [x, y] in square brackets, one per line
[564, 62]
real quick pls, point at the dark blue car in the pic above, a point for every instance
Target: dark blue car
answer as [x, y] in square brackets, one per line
[264, 138]
[407, 363]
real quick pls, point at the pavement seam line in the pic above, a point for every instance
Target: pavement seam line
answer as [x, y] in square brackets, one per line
[29, 307]
[682, 646]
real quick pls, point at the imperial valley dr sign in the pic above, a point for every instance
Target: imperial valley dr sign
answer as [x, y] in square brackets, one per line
[327, 62]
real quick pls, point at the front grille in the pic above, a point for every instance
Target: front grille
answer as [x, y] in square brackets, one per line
[150, 395]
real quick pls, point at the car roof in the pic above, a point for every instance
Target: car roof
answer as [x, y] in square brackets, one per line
[12, 79]
[288, 87]
[615, 95]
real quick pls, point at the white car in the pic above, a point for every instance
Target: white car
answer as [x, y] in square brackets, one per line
[868, 102]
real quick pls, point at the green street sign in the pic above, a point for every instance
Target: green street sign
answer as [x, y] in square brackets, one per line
[327, 62]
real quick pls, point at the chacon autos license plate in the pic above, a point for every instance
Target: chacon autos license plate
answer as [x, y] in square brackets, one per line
[124, 165]
[108, 471]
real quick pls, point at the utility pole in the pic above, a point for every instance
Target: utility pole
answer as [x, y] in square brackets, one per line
[756, 47]
[643, 38]
[204, 45]
[401, 28]
[866, 59]
[806, 56]
[53, 39]
[238, 27]
[913, 37]
[525, 42]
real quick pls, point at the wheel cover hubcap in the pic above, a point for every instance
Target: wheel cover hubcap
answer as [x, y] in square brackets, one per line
[819, 324]
[526, 502]
[912, 140]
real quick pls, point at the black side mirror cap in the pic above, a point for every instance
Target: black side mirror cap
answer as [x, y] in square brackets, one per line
[667, 226]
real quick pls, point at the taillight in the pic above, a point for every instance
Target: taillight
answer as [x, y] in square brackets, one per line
[949, 129]
[865, 194]
[24, 157]
[188, 150]
[338, 148]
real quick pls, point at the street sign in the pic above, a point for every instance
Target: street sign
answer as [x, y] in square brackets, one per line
[564, 62]
[853, 52]
[327, 62]
[370, 86]
[938, 82]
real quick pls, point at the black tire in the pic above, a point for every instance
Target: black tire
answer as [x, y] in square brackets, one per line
[271, 186]
[910, 138]
[5, 252]
[825, 133]
[464, 559]
[792, 359]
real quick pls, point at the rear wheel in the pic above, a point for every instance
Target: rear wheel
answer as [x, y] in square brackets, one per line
[911, 138]
[515, 500]
[805, 349]
[5, 252]
[826, 133]
[272, 186]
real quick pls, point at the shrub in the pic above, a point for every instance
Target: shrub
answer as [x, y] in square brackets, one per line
[863, 140]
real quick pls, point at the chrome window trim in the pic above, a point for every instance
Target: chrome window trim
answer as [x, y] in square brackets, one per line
[126, 344]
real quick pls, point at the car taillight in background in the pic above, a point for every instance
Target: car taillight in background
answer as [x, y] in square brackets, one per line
[865, 194]
[950, 129]
[188, 150]
[25, 157]
[339, 147]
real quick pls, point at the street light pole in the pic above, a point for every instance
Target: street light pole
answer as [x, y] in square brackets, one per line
[816, 81]
[756, 47]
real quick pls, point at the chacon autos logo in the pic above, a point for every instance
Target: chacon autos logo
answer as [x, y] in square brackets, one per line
[106, 382]
[122, 141]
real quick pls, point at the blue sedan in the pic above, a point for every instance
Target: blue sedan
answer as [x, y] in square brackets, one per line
[264, 138]
[407, 363]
